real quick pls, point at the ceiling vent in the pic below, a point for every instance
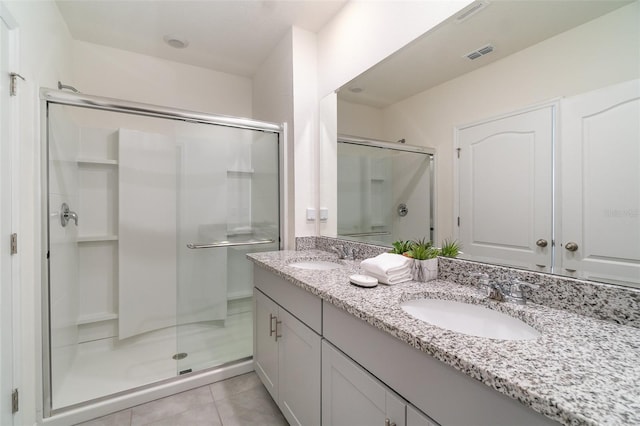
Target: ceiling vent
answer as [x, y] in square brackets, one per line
[480, 52]
[474, 8]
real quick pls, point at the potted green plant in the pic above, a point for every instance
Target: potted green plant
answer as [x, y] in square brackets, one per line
[450, 248]
[401, 246]
[425, 260]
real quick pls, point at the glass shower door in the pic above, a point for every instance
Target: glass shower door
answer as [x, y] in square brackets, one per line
[227, 207]
[148, 222]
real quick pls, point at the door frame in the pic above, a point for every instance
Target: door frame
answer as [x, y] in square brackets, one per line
[11, 198]
[554, 103]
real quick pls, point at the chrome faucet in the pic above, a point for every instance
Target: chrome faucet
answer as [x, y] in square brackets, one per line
[505, 291]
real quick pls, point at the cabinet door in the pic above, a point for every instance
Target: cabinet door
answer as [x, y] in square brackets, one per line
[416, 418]
[299, 371]
[352, 397]
[265, 347]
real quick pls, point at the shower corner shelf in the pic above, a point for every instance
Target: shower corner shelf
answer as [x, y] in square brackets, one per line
[240, 172]
[97, 238]
[99, 317]
[97, 161]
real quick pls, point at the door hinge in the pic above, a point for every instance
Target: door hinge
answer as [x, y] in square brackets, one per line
[15, 401]
[14, 243]
[458, 150]
[458, 221]
[13, 84]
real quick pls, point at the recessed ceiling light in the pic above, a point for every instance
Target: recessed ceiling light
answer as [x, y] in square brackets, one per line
[176, 41]
[356, 89]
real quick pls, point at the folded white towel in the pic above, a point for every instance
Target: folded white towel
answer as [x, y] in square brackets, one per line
[391, 280]
[374, 269]
[387, 264]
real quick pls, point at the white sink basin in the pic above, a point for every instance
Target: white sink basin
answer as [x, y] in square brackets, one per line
[317, 265]
[466, 318]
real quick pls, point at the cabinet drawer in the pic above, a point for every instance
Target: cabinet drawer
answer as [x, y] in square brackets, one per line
[302, 304]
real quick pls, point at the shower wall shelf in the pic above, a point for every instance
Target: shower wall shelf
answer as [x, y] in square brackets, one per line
[97, 238]
[99, 317]
[97, 161]
[240, 172]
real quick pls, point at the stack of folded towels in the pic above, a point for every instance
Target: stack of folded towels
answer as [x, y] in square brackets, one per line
[388, 268]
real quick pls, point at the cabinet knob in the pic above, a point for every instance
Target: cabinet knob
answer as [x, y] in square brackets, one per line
[542, 242]
[571, 246]
[387, 422]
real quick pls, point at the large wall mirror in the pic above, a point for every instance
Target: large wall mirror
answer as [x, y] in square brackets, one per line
[491, 62]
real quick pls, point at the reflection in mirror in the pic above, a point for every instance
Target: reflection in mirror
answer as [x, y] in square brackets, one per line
[384, 191]
[542, 53]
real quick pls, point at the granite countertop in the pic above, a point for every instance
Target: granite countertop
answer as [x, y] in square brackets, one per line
[580, 371]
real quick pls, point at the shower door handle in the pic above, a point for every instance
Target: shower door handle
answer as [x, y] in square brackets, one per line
[66, 215]
[228, 244]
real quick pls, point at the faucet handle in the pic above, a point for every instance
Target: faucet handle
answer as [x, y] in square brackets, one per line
[486, 286]
[339, 250]
[483, 279]
[515, 291]
[517, 285]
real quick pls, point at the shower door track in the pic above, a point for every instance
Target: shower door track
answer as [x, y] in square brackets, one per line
[376, 143]
[149, 110]
[52, 96]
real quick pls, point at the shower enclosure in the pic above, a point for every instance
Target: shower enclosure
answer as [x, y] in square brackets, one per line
[149, 213]
[385, 191]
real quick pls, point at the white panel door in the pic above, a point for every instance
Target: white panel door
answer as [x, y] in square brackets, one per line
[505, 189]
[299, 371]
[600, 178]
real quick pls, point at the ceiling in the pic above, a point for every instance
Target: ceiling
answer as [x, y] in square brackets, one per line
[440, 55]
[228, 36]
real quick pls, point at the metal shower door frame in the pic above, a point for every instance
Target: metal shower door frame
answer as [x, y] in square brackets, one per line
[57, 97]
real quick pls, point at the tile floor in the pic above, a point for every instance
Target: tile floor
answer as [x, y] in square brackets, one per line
[239, 401]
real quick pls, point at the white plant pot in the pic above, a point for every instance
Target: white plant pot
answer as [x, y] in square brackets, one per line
[425, 270]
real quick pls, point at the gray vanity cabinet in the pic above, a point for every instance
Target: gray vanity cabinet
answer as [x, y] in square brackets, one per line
[352, 396]
[286, 350]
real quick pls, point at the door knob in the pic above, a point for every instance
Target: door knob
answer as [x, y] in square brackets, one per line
[571, 246]
[541, 242]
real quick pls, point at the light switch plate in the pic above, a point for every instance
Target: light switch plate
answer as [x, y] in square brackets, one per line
[311, 213]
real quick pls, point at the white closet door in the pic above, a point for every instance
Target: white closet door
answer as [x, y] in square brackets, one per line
[147, 228]
[505, 193]
[601, 184]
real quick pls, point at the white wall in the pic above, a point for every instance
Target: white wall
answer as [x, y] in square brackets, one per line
[115, 73]
[360, 120]
[305, 133]
[44, 58]
[599, 53]
[364, 32]
[285, 91]
[273, 101]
